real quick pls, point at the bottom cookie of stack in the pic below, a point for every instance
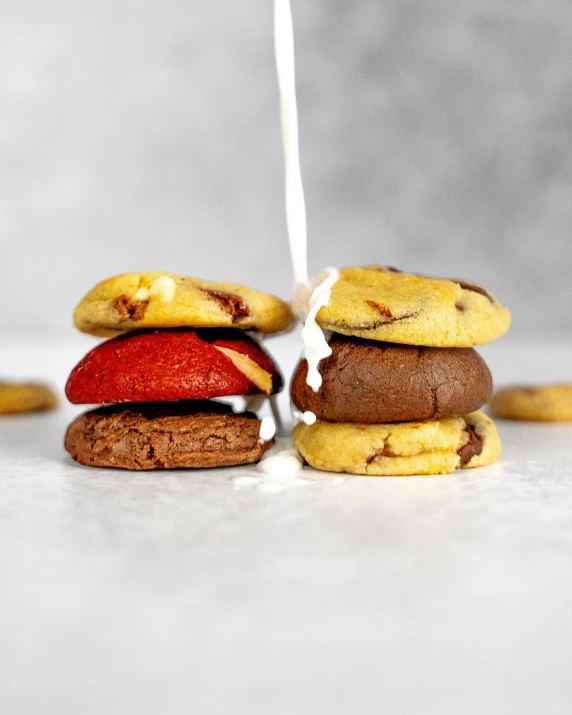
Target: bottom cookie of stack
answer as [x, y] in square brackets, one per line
[399, 449]
[186, 434]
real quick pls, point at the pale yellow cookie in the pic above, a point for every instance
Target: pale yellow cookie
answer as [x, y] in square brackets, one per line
[383, 304]
[164, 300]
[400, 449]
[544, 403]
[25, 397]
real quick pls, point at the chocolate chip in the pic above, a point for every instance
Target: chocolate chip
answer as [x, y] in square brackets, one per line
[475, 289]
[385, 452]
[381, 309]
[369, 326]
[127, 309]
[138, 312]
[472, 448]
[460, 307]
[230, 303]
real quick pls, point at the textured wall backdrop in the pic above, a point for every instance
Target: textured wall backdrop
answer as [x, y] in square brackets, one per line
[436, 136]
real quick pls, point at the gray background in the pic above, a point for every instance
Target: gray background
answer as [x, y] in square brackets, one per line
[145, 135]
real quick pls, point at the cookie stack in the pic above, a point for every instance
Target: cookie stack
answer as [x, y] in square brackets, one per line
[402, 387]
[175, 344]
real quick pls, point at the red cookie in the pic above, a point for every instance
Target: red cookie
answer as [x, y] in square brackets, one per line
[175, 364]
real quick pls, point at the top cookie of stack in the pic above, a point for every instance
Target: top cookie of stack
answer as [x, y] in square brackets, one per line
[400, 392]
[133, 301]
[380, 303]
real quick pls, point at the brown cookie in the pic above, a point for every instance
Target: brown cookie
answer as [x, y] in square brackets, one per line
[165, 436]
[372, 382]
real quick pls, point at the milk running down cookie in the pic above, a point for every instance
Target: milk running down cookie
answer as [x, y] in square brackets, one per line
[400, 391]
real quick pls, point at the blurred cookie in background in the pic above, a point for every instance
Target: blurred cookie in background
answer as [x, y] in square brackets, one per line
[534, 403]
[20, 397]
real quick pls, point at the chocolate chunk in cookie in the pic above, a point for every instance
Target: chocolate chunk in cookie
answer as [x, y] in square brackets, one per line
[165, 436]
[371, 382]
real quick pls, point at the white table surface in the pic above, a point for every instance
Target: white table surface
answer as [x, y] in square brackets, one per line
[178, 592]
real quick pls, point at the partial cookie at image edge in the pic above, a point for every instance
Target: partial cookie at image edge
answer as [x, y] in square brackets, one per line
[534, 403]
[19, 398]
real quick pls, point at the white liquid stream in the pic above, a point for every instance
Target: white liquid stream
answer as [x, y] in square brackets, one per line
[282, 461]
[309, 296]
[295, 203]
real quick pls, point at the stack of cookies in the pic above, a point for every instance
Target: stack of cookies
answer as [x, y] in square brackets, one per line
[175, 345]
[402, 387]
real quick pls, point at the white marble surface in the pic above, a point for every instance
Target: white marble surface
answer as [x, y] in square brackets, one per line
[172, 593]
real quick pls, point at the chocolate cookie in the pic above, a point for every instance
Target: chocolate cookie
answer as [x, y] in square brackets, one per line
[405, 449]
[166, 300]
[168, 365]
[372, 382]
[165, 436]
[380, 303]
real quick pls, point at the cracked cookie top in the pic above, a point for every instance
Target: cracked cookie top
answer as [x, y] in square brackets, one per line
[165, 300]
[368, 381]
[384, 304]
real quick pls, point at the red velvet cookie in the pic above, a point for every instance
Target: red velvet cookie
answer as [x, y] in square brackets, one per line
[175, 364]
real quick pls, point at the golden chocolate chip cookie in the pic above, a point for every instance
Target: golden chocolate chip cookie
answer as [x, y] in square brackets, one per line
[25, 397]
[544, 403]
[384, 304]
[164, 300]
[402, 449]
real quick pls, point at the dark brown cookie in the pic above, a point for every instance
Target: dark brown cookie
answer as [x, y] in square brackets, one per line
[373, 382]
[165, 436]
